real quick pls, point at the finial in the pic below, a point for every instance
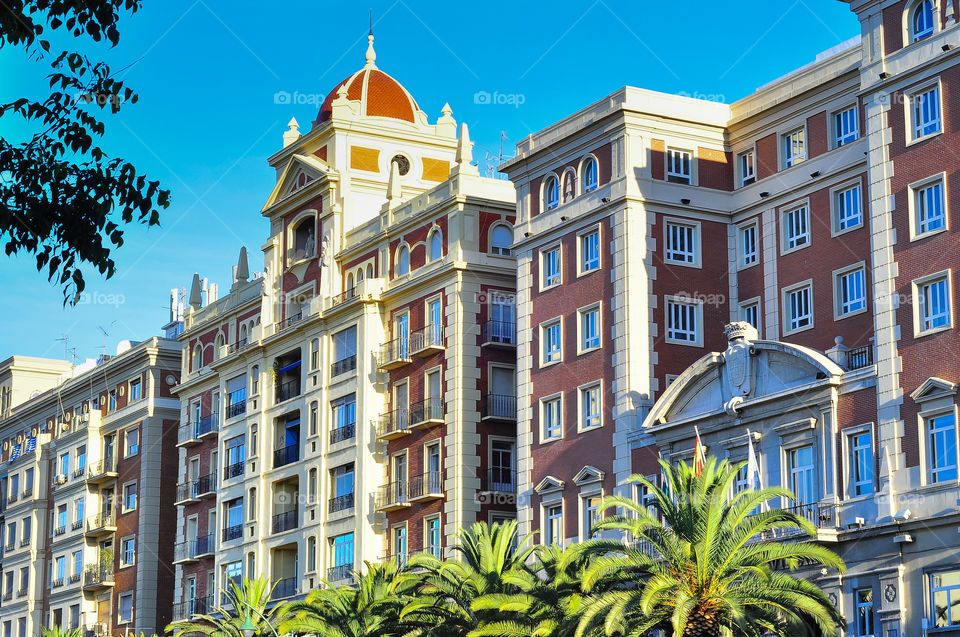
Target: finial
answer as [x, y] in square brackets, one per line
[464, 146]
[292, 133]
[196, 299]
[393, 185]
[371, 54]
[446, 110]
[293, 124]
[243, 269]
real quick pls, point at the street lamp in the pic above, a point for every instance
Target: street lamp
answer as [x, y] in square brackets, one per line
[247, 629]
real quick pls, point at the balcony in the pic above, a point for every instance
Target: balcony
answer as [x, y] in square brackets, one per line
[498, 407]
[97, 578]
[202, 487]
[103, 471]
[73, 579]
[208, 426]
[102, 524]
[345, 432]
[190, 607]
[344, 297]
[233, 348]
[860, 357]
[205, 546]
[427, 486]
[289, 322]
[340, 503]
[340, 572]
[236, 408]
[394, 354]
[232, 532]
[287, 390]
[57, 583]
[59, 530]
[499, 480]
[393, 496]
[76, 525]
[498, 334]
[285, 521]
[24, 542]
[284, 588]
[343, 366]
[193, 550]
[427, 341]
[822, 516]
[187, 435]
[233, 470]
[285, 455]
[426, 412]
[393, 424]
[186, 494]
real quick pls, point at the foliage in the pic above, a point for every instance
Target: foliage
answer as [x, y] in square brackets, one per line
[63, 199]
[57, 631]
[226, 620]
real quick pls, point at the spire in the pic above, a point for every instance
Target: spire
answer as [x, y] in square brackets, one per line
[243, 269]
[371, 54]
[196, 296]
[292, 133]
[464, 146]
[393, 186]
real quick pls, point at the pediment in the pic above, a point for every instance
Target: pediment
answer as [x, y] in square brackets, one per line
[933, 388]
[587, 475]
[300, 171]
[549, 484]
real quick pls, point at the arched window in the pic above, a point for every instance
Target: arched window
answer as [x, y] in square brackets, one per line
[569, 186]
[359, 275]
[255, 380]
[434, 245]
[197, 357]
[304, 241]
[551, 193]
[350, 284]
[500, 241]
[922, 21]
[243, 333]
[588, 173]
[370, 271]
[403, 261]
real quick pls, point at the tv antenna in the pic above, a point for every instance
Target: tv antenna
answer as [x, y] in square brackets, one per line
[69, 353]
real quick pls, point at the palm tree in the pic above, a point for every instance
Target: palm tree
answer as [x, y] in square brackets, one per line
[226, 620]
[706, 569]
[490, 562]
[372, 608]
[56, 631]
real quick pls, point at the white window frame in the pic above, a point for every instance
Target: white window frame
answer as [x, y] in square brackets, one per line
[917, 286]
[547, 179]
[582, 268]
[671, 155]
[911, 36]
[838, 276]
[582, 185]
[953, 592]
[585, 513]
[925, 416]
[582, 345]
[785, 240]
[582, 426]
[913, 132]
[544, 285]
[744, 178]
[558, 321]
[544, 434]
[791, 160]
[499, 251]
[785, 303]
[120, 618]
[123, 562]
[694, 235]
[849, 453]
[545, 521]
[751, 303]
[913, 193]
[697, 305]
[742, 253]
[838, 139]
[857, 605]
[836, 194]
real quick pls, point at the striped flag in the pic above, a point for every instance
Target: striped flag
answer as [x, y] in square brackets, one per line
[15, 453]
[31, 445]
[699, 458]
[753, 467]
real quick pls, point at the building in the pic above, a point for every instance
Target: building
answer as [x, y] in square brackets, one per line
[813, 220]
[88, 456]
[354, 401]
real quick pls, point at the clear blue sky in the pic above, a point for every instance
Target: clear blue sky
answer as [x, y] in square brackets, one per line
[207, 72]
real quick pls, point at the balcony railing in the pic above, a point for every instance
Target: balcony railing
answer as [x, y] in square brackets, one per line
[499, 480]
[393, 495]
[394, 423]
[233, 470]
[236, 347]
[341, 503]
[427, 340]
[77, 524]
[285, 455]
[426, 411]
[343, 365]
[190, 607]
[193, 549]
[193, 432]
[101, 522]
[343, 297]
[73, 579]
[98, 576]
[286, 587]
[287, 390]
[340, 572]
[60, 530]
[24, 542]
[822, 516]
[860, 357]
[498, 407]
[57, 583]
[426, 485]
[237, 408]
[394, 353]
[205, 485]
[290, 321]
[232, 532]
[499, 333]
[344, 432]
[102, 469]
[285, 521]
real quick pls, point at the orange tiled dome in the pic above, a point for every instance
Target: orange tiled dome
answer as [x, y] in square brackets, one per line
[379, 94]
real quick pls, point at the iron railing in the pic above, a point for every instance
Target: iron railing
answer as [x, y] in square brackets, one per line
[97, 469]
[290, 321]
[499, 480]
[498, 406]
[344, 365]
[426, 410]
[289, 389]
[499, 332]
[286, 587]
[285, 455]
[344, 432]
[394, 351]
[427, 337]
[232, 532]
[233, 470]
[860, 357]
[395, 421]
[393, 494]
[341, 503]
[101, 521]
[237, 407]
[285, 521]
[95, 575]
[429, 483]
[190, 607]
[340, 572]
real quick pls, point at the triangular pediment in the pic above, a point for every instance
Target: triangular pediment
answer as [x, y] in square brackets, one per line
[300, 171]
[549, 484]
[587, 475]
[933, 388]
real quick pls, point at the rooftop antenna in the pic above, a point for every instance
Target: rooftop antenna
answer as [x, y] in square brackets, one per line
[371, 20]
[105, 335]
[69, 353]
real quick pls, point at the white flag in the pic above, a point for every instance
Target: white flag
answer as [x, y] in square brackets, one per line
[753, 467]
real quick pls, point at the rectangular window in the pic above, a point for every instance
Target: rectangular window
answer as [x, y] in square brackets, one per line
[681, 243]
[553, 531]
[130, 496]
[945, 599]
[864, 600]
[132, 440]
[748, 245]
[81, 459]
[128, 551]
[590, 328]
[683, 321]
[591, 516]
[64, 466]
[552, 425]
[942, 449]
[802, 475]
[861, 463]
[845, 128]
[590, 251]
[851, 291]
[314, 354]
[928, 208]
[796, 228]
[551, 267]
[398, 545]
[77, 562]
[135, 390]
[314, 416]
[590, 406]
[552, 342]
[934, 304]
[793, 148]
[847, 209]
[125, 609]
[678, 166]
[344, 417]
[747, 171]
[432, 540]
[799, 308]
[925, 112]
[113, 400]
[750, 312]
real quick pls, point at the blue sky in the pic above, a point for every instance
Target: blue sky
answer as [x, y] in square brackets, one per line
[207, 72]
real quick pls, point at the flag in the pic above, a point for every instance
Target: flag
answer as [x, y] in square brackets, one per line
[31, 445]
[15, 453]
[753, 467]
[698, 455]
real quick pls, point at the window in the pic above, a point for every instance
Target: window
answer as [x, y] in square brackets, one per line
[591, 516]
[683, 321]
[945, 602]
[590, 328]
[130, 496]
[403, 261]
[589, 176]
[78, 511]
[552, 342]
[314, 414]
[27, 525]
[925, 112]
[845, 128]
[864, 620]
[311, 554]
[432, 541]
[81, 459]
[344, 417]
[128, 551]
[942, 448]
[793, 148]
[850, 290]
[589, 251]
[861, 463]
[501, 238]
[398, 545]
[749, 254]
[61, 518]
[847, 213]
[553, 528]
[799, 307]
[64, 465]
[750, 312]
[796, 228]
[928, 214]
[551, 193]
[342, 478]
[932, 301]
[921, 22]
[552, 425]
[590, 406]
[135, 390]
[678, 166]
[680, 240]
[802, 474]
[255, 380]
[435, 245]
[125, 609]
[314, 354]
[745, 161]
[113, 400]
[132, 441]
[551, 267]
